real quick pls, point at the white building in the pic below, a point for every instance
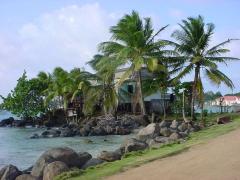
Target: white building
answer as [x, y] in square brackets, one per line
[226, 101]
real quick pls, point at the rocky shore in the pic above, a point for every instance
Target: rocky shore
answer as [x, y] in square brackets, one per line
[96, 126]
[58, 160]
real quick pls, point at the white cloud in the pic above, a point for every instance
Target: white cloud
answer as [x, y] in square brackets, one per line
[67, 37]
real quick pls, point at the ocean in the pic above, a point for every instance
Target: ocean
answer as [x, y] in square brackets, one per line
[18, 149]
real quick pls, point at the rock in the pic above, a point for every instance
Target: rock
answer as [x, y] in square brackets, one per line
[84, 132]
[28, 170]
[53, 169]
[26, 177]
[50, 133]
[6, 122]
[120, 151]
[174, 124]
[92, 162]
[88, 141]
[223, 120]
[122, 131]
[66, 155]
[183, 134]
[151, 131]
[196, 128]
[9, 172]
[67, 133]
[2, 171]
[175, 136]
[173, 130]
[133, 144]
[109, 156]
[97, 131]
[165, 132]
[153, 144]
[183, 127]
[40, 164]
[83, 158]
[162, 139]
[19, 123]
[109, 130]
[164, 124]
[34, 136]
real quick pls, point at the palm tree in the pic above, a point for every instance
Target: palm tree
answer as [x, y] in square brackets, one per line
[193, 40]
[133, 44]
[103, 90]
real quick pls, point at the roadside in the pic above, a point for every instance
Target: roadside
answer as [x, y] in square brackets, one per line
[139, 158]
[217, 159]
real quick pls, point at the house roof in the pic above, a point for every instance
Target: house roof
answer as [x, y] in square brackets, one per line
[231, 98]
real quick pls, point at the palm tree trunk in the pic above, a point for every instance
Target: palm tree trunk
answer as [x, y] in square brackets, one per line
[164, 107]
[202, 115]
[183, 107]
[141, 98]
[197, 69]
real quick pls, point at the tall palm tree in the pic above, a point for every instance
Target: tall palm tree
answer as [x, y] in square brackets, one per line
[133, 44]
[193, 41]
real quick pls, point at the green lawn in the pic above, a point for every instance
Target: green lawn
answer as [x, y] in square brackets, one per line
[137, 158]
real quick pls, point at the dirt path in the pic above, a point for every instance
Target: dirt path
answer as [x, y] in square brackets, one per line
[219, 159]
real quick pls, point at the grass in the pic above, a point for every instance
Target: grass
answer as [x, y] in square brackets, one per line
[135, 159]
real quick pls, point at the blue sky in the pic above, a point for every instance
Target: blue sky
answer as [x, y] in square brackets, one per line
[40, 35]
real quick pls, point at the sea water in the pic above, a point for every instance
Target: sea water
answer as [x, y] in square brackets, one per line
[18, 149]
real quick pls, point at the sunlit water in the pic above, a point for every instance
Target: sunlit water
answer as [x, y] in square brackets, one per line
[16, 148]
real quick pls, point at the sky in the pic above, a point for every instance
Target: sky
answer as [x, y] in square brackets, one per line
[39, 35]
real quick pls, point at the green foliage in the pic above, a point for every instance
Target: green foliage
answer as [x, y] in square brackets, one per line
[26, 100]
[193, 40]
[209, 96]
[134, 43]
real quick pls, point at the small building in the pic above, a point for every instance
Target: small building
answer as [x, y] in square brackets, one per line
[154, 102]
[226, 101]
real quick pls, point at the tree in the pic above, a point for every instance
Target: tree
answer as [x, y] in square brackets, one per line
[193, 40]
[103, 91]
[133, 43]
[26, 100]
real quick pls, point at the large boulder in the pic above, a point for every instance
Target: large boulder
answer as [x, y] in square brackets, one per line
[50, 133]
[66, 155]
[2, 171]
[83, 158]
[151, 131]
[175, 136]
[109, 156]
[92, 162]
[40, 164]
[174, 124]
[223, 120]
[28, 170]
[162, 139]
[53, 169]
[26, 177]
[9, 172]
[165, 132]
[133, 144]
[153, 144]
[183, 127]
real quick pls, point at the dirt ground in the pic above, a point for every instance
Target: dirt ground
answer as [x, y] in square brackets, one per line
[218, 159]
